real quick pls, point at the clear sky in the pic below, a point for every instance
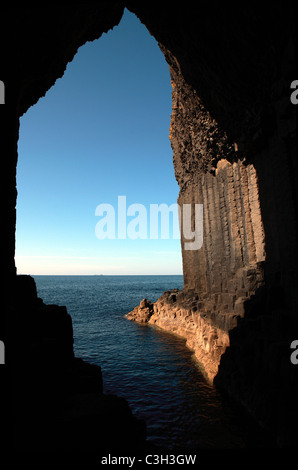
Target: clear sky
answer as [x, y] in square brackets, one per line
[100, 132]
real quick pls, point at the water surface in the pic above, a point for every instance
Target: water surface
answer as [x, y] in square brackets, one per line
[153, 370]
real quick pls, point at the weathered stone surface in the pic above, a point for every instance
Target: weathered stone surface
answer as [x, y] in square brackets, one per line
[229, 264]
[221, 276]
[141, 313]
[178, 313]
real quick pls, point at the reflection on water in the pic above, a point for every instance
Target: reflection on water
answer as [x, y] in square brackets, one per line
[163, 385]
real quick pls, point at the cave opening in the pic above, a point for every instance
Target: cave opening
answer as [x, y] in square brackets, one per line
[248, 56]
[88, 141]
[101, 132]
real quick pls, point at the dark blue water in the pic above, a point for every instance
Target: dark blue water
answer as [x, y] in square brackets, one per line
[153, 370]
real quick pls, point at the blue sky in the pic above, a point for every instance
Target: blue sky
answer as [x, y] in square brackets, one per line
[100, 132]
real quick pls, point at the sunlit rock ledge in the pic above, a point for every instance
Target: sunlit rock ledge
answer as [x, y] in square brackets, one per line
[184, 314]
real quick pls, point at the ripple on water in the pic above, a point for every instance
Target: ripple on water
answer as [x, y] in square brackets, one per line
[151, 369]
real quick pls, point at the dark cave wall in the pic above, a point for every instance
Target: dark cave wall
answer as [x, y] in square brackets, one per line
[231, 75]
[41, 43]
[233, 131]
[234, 139]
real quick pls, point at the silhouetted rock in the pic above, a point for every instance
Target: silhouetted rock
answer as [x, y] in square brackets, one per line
[234, 139]
[57, 399]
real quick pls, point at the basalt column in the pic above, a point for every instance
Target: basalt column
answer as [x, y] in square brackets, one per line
[237, 308]
[227, 269]
[219, 201]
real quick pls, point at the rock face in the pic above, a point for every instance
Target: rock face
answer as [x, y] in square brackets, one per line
[234, 139]
[177, 312]
[142, 313]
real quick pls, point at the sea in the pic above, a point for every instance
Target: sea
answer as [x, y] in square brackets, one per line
[152, 369]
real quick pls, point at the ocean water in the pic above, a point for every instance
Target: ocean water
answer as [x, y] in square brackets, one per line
[153, 370]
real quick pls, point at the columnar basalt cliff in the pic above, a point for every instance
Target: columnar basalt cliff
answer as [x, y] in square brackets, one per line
[233, 134]
[225, 272]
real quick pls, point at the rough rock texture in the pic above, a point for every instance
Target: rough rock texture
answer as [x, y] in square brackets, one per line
[233, 134]
[180, 312]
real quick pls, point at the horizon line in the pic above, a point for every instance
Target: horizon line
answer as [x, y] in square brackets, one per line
[27, 274]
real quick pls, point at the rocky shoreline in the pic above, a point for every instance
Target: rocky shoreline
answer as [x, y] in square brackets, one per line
[183, 314]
